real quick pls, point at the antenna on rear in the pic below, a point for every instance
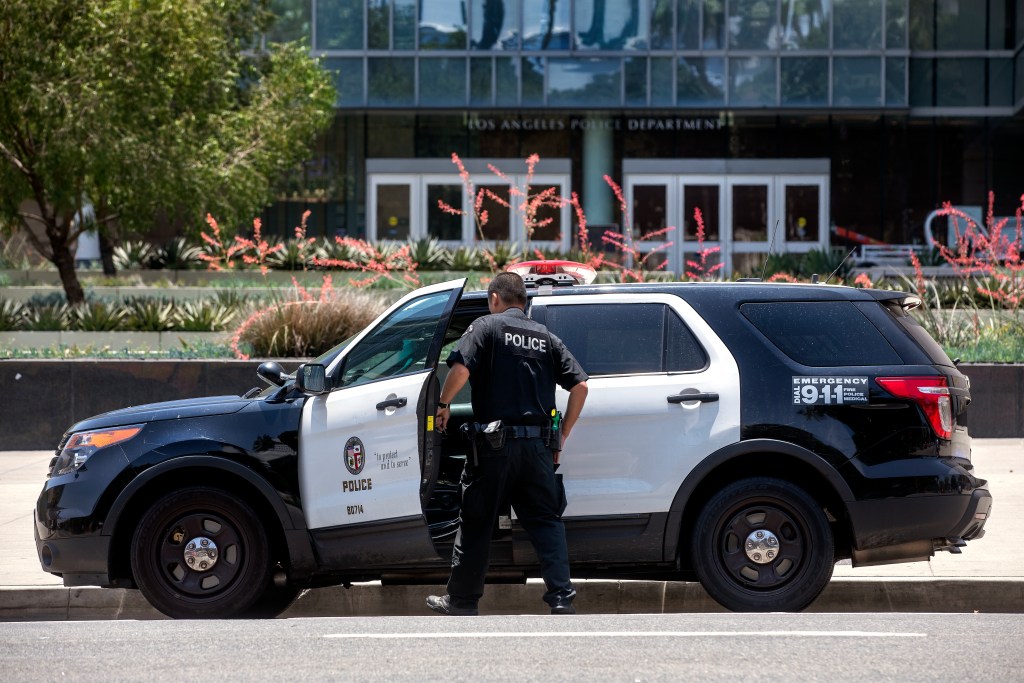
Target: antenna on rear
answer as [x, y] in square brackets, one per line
[840, 265]
[764, 269]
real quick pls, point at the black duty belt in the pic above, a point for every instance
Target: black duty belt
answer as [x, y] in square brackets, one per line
[526, 432]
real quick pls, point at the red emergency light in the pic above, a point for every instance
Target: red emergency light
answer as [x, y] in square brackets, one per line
[555, 273]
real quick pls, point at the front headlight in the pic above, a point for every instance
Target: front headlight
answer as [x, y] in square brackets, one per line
[82, 445]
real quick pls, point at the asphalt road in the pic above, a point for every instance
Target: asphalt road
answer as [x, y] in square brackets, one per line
[704, 647]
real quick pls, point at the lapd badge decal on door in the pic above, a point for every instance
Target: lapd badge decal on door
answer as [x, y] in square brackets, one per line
[355, 455]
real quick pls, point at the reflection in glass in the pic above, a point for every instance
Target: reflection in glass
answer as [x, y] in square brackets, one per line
[806, 24]
[750, 213]
[1000, 82]
[802, 213]
[498, 223]
[960, 25]
[442, 25]
[922, 76]
[858, 24]
[546, 25]
[495, 24]
[649, 208]
[663, 72]
[896, 82]
[610, 24]
[959, 82]
[378, 20]
[753, 24]
[339, 25]
[700, 81]
[393, 212]
[292, 21]
[922, 25]
[533, 80]
[506, 87]
[403, 27]
[895, 24]
[688, 24]
[705, 198]
[441, 224]
[635, 75]
[804, 81]
[713, 28]
[752, 81]
[580, 82]
[549, 218]
[391, 81]
[443, 81]
[661, 24]
[856, 82]
[348, 80]
[480, 82]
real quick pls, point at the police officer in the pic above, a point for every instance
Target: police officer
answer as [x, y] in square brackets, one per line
[512, 364]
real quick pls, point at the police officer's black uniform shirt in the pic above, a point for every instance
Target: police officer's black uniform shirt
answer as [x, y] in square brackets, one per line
[514, 364]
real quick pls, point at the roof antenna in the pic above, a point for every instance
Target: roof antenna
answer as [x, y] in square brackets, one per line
[840, 264]
[764, 269]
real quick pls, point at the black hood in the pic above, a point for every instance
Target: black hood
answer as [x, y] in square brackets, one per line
[167, 410]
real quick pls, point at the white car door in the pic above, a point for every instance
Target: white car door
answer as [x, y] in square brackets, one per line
[639, 436]
[359, 445]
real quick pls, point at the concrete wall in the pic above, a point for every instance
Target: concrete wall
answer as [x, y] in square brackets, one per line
[39, 399]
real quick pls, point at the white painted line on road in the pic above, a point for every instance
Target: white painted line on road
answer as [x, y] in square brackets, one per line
[637, 634]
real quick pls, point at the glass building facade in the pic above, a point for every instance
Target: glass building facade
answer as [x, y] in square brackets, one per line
[813, 114]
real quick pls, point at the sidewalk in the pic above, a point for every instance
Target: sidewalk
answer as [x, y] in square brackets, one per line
[986, 577]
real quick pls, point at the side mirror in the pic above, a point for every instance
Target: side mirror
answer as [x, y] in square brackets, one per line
[311, 379]
[271, 372]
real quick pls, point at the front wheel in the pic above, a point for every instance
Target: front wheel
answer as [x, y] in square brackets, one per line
[201, 553]
[763, 545]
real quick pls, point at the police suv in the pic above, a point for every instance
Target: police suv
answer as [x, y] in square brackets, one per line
[747, 435]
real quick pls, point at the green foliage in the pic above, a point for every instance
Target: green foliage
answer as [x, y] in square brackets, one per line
[203, 316]
[428, 254]
[144, 314]
[178, 254]
[293, 255]
[464, 258]
[134, 254]
[824, 262]
[147, 109]
[47, 317]
[11, 314]
[97, 316]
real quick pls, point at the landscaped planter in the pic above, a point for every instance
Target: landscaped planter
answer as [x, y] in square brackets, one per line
[42, 398]
[136, 341]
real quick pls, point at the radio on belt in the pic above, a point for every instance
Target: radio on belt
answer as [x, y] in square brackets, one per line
[554, 273]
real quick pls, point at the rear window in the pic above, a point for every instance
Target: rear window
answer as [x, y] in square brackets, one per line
[625, 339]
[909, 323]
[821, 333]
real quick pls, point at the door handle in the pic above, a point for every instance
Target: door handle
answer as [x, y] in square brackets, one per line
[704, 397]
[399, 402]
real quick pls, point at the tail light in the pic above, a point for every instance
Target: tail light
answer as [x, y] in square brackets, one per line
[931, 393]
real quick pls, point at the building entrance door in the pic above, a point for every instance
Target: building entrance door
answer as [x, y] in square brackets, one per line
[692, 221]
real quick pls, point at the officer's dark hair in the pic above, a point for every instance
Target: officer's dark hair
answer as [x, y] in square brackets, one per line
[510, 289]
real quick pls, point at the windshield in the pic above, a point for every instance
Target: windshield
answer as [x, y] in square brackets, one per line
[327, 357]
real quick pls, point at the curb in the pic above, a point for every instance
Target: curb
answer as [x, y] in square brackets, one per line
[1000, 595]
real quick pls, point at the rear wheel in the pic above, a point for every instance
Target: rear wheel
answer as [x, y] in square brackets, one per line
[763, 545]
[201, 553]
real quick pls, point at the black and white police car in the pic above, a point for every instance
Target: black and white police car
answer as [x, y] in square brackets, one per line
[747, 435]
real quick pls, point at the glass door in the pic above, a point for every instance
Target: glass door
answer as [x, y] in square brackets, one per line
[751, 217]
[704, 230]
[803, 208]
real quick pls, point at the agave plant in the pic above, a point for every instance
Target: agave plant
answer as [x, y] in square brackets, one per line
[133, 254]
[146, 314]
[203, 316]
[428, 254]
[178, 254]
[11, 314]
[46, 317]
[825, 262]
[293, 255]
[502, 254]
[464, 258]
[97, 316]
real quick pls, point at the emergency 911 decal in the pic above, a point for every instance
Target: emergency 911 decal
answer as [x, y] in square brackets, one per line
[829, 391]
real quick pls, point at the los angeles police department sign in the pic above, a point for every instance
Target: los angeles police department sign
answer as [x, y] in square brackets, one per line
[829, 390]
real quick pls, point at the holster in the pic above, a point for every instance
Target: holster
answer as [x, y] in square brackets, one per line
[490, 435]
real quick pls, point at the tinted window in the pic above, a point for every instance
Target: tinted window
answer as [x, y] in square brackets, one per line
[397, 346]
[822, 334]
[920, 335]
[621, 339]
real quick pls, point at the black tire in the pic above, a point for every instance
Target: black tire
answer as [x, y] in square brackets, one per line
[782, 577]
[240, 568]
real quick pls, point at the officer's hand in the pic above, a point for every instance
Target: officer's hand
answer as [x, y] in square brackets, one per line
[441, 419]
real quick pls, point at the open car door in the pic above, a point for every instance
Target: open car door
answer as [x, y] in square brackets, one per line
[367, 447]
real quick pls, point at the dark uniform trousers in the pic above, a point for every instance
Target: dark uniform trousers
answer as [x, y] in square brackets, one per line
[522, 471]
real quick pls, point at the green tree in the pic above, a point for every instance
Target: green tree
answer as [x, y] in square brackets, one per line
[146, 110]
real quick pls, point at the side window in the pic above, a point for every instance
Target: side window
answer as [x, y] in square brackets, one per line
[626, 339]
[398, 346]
[822, 333]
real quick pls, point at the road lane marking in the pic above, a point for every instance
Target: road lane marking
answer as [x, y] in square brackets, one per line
[636, 634]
